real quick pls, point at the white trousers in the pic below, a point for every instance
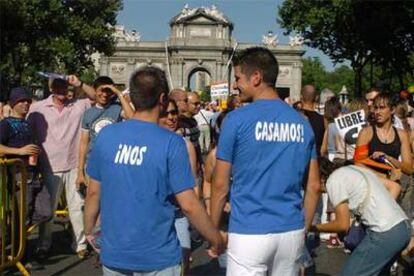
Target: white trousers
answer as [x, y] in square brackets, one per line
[55, 183]
[269, 254]
[204, 139]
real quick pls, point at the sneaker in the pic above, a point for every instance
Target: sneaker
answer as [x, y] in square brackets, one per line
[334, 242]
[82, 254]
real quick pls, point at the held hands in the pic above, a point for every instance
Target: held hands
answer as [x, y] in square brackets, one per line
[219, 246]
[92, 241]
[28, 150]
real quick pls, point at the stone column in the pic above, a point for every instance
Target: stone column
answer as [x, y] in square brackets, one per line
[181, 72]
[296, 80]
[104, 67]
[220, 68]
[131, 65]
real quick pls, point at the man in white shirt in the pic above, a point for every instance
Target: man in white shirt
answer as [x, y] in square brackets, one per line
[203, 118]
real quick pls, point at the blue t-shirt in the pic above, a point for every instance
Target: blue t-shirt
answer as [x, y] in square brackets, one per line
[96, 118]
[269, 145]
[140, 167]
[15, 133]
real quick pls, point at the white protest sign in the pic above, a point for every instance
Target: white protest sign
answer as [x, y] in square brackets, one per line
[350, 125]
[219, 89]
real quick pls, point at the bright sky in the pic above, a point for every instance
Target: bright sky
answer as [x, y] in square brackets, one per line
[251, 18]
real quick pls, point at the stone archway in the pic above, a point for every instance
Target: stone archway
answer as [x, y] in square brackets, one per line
[198, 78]
[200, 41]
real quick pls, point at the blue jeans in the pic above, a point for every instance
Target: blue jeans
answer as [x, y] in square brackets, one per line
[377, 251]
[169, 271]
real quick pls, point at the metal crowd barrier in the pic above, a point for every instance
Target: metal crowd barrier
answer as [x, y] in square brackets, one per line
[12, 214]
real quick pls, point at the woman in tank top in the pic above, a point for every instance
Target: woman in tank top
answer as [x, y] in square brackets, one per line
[384, 140]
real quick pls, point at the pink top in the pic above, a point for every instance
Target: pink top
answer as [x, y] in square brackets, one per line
[58, 132]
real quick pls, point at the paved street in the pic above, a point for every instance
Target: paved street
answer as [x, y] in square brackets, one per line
[64, 262]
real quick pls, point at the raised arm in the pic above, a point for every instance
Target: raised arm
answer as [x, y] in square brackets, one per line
[89, 90]
[127, 110]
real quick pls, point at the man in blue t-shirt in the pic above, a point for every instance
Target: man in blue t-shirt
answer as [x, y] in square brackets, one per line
[136, 169]
[16, 135]
[269, 150]
[106, 111]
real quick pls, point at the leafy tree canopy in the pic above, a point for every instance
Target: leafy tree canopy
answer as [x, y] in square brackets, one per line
[53, 35]
[359, 31]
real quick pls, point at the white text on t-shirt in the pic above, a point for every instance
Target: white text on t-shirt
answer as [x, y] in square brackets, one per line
[279, 132]
[132, 155]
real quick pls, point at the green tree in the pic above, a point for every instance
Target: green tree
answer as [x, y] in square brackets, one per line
[329, 26]
[359, 31]
[388, 30]
[205, 94]
[53, 35]
[313, 72]
[341, 76]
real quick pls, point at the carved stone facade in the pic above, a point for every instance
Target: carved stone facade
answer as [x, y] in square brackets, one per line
[200, 40]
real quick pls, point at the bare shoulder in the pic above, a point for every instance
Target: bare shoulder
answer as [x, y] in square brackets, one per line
[364, 136]
[404, 134]
[366, 132]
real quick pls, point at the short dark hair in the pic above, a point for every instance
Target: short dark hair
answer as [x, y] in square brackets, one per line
[309, 93]
[146, 85]
[102, 80]
[58, 82]
[258, 59]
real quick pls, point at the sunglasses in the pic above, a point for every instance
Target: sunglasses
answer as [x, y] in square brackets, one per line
[172, 112]
[196, 103]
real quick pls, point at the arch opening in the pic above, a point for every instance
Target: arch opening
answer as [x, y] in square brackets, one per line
[198, 79]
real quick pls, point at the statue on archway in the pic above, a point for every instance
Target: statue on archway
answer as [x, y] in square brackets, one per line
[270, 39]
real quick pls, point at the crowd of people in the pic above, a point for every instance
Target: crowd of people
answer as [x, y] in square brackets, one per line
[258, 180]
